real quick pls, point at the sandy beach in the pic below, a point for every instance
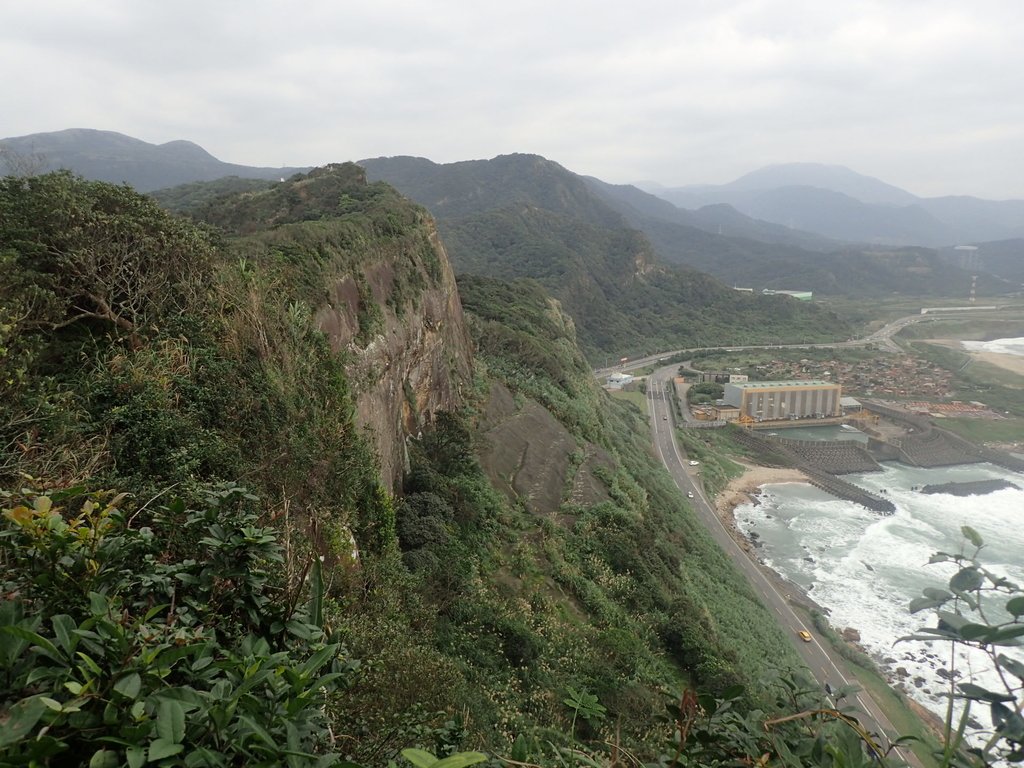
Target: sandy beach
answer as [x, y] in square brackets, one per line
[1012, 363]
[741, 489]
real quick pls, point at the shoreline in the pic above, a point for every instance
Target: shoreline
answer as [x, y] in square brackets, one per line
[746, 488]
[1004, 360]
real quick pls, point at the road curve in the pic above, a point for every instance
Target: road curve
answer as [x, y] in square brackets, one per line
[826, 666]
[882, 337]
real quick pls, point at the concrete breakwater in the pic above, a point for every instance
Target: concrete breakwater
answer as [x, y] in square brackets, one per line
[820, 461]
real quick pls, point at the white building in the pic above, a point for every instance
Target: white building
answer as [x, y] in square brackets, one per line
[618, 380]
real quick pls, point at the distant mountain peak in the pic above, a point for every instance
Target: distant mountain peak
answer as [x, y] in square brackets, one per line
[111, 156]
[189, 149]
[835, 178]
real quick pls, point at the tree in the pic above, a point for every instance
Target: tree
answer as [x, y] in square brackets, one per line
[102, 252]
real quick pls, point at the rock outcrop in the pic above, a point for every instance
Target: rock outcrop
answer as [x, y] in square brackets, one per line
[420, 359]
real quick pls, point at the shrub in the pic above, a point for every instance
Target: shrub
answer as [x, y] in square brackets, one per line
[171, 643]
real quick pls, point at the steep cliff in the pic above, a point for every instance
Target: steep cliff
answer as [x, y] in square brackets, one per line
[417, 363]
[380, 286]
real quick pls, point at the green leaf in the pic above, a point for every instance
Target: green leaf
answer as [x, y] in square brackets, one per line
[136, 757]
[952, 621]
[21, 719]
[966, 579]
[170, 721]
[419, 757]
[129, 685]
[1006, 635]
[1012, 666]
[51, 703]
[318, 659]
[48, 648]
[186, 696]
[733, 692]
[98, 604]
[1015, 606]
[258, 730]
[972, 691]
[924, 603]
[975, 632]
[460, 760]
[90, 664]
[300, 629]
[971, 535]
[104, 758]
[161, 748]
[315, 609]
[63, 627]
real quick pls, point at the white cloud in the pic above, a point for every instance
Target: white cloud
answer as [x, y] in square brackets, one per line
[922, 93]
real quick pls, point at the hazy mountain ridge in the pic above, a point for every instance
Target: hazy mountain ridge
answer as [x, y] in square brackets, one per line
[716, 239]
[754, 253]
[114, 157]
[836, 202]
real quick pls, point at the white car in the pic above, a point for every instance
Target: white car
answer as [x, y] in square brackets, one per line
[689, 494]
[694, 463]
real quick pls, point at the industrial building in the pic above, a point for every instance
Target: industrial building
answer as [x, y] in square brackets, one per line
[782, 400]
[798, 295]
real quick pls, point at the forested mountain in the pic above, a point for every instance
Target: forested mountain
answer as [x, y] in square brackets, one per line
[114, 157]
[209, 554]
[452, 190]
[716, 239]
[838, 203]
[1004, 258]
[526, 217]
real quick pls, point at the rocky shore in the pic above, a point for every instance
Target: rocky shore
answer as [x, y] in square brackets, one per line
[745, 488]
[969, 488]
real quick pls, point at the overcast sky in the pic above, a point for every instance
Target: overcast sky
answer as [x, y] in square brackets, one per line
[924, 94]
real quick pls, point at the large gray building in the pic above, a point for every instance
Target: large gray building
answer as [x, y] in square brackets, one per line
[780, 400]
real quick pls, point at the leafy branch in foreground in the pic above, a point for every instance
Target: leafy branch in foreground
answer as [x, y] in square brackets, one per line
[982, 610]
[163, 644]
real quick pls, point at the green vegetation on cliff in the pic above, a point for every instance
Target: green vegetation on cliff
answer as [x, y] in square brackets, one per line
[169, 361]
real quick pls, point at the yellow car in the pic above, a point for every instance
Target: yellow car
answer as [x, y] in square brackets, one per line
[805, 635]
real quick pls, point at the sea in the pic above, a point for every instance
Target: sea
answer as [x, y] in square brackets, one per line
[864, 568]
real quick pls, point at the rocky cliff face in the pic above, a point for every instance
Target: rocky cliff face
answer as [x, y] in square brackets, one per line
[416, 359]
[379, 284]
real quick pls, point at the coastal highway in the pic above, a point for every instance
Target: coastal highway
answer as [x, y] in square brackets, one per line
[826, 666]
[882, 337]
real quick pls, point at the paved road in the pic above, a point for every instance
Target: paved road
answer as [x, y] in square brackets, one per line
[882, 337]
[826, 666]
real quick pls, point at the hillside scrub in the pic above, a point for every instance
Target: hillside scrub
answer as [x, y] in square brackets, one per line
[472, 621]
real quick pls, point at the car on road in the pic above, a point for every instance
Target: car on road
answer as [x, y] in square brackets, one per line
[694, 463]
[804, 635]
[689, 494]
[664, 418]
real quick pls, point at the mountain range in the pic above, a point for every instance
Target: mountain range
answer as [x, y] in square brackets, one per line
[787, 243]
[838, 203]
[456, 192]
[114, 157]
